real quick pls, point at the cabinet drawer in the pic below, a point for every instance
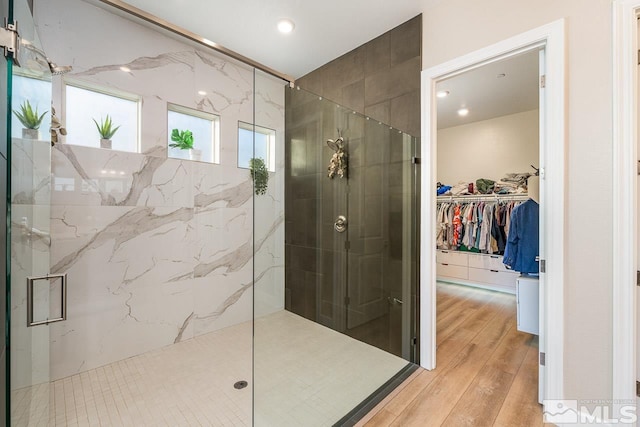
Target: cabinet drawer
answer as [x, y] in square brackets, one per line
[488, 262]
[504, 278]
[453, 271]
[452, 258]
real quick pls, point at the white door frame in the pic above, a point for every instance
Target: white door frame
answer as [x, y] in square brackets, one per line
[552, 37]
[625, 172]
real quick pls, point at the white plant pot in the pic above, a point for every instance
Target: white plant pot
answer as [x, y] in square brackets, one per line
[30, 133]
[105, 143]
[195, 154]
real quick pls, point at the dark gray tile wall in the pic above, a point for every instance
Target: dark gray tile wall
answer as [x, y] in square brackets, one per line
[380, 79]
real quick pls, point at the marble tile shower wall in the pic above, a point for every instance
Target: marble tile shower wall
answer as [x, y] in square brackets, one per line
[157, 250]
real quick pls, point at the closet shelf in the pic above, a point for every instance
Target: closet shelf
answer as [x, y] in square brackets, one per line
[483, 198]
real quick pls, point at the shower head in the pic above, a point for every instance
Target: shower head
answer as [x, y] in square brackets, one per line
[58, 70]
[55, 69]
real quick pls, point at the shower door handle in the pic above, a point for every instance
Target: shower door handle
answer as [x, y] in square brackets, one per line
[30, 295]
[341, 224]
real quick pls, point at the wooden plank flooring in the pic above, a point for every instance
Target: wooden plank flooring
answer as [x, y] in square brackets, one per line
[487, 371]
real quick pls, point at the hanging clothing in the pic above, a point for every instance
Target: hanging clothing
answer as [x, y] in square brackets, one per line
[523, 241]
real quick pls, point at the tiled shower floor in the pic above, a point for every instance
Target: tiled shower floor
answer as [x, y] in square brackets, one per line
[305, 374]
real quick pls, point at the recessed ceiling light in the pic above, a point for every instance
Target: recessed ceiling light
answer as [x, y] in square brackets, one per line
[125, 69]
[202, 92]
[463, 112]
[442, 94]
[285, 26]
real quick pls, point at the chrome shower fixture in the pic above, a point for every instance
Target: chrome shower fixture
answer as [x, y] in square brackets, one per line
[55, 69]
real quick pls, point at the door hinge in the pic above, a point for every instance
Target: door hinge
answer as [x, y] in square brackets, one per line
[347, 244]
[638, 278]
[10, 40]
[543, 81]
[415, 160]
[543, 359]
[543, 266]
[638, 388]
[347, 300]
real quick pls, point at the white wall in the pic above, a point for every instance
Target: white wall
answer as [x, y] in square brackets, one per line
[455, 27]
[488, 148]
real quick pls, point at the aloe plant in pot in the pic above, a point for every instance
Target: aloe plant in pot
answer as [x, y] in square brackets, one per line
[106, 131]
[183, 139]
[30, 119]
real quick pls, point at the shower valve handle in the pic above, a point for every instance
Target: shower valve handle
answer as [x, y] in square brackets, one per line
[341, 224]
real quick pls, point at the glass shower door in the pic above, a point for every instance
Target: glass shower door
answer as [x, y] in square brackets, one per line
[380, 238]
[35, 297]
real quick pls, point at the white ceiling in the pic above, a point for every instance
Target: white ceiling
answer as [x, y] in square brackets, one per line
[487, 96]
[328, 29]
[324, 29]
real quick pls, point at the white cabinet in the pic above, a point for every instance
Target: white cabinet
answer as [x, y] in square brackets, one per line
[473, 269]
[528, 309]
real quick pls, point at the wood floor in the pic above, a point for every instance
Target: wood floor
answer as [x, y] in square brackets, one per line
[487, 371]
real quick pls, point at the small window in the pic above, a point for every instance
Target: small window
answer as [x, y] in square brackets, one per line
[204, 128]
[265, 145]
[38, 93]
[83, 105]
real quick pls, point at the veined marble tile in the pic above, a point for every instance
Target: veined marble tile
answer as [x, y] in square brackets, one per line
[30, 244]
[133, 321]
[157, 250]
[222, 240]
[90, 176]
[221, 186]
[140, 234]
[229, 86]
[30, 172]
[222, 300]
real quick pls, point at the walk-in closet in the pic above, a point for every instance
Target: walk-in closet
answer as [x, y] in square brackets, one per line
[487, 225]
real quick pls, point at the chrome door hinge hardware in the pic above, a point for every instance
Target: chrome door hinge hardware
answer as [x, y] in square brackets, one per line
[543, 266]
[638, 278]
[638, 388]
[415, 160]
[543, 81]
[638, 161]
[10, 40]
[543, 359]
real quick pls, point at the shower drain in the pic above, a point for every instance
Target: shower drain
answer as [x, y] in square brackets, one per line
[240, 385]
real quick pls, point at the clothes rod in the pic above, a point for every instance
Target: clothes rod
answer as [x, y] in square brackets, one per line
[483, 197]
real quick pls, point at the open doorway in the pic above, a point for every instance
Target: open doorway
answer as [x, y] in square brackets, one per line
[487, 240]
[550, 40]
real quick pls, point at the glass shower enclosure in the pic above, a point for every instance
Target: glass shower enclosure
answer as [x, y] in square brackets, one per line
[151, 289]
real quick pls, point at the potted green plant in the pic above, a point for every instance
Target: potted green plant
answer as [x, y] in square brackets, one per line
[259, 174]
[183, 140]
[106, 131]
[30, 119]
